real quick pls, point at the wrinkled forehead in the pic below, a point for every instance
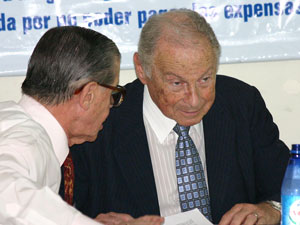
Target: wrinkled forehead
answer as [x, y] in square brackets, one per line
[184, 63]
[171, 46]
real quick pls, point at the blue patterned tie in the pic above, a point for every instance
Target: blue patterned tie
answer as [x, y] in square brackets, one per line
[190, 174]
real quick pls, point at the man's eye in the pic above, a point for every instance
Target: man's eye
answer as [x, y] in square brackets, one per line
[205, 79]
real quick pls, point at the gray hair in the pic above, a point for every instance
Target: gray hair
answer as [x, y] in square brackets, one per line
[67, 58]
[182, 22]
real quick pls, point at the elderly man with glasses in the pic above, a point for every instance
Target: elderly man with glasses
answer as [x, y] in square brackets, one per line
[70, 86]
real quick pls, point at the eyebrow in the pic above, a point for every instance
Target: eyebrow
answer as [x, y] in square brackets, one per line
[180, 77]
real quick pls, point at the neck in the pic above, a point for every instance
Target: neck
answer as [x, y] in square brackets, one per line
[64, 115]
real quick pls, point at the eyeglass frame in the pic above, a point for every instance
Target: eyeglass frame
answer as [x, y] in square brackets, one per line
[118, 90]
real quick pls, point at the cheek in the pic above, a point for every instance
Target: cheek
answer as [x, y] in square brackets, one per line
[169, 100]
[104, 112]
[208, 101]
[104, 108]
[103, 116]
[208, 94]
[100, 118]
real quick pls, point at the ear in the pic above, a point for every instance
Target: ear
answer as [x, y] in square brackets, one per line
[139, 69]
[87, 95]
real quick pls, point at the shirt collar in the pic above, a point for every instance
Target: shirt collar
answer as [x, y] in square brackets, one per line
[160, 124]
[42, 116]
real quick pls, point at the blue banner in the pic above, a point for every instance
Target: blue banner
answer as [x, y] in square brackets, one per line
[248, 30]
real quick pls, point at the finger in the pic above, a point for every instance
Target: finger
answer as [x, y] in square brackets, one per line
[228, 216]
[152, 218]
[105, 219]
[109, 219]
[251, 219]
[240, 217]
[141, 222]
[121, 216]
[147, 220]
[238, 214]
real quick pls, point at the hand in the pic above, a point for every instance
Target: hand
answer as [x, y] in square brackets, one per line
[125, 219]
[113, 218]
[249, 214]
[146, 220]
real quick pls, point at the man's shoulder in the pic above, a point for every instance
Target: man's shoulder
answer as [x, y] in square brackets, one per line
[229, 87]
[236, 96]
[134, 87]
[225, 82]
[24, 140]
[10, 106]
[16, 123]
[11, 114]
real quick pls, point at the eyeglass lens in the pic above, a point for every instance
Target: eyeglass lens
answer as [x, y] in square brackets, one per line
[118, 95]
[117, 98]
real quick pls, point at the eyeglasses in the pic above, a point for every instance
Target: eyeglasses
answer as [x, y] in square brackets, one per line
[118, 93]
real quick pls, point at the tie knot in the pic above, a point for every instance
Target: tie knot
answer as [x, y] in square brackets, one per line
[181, 130]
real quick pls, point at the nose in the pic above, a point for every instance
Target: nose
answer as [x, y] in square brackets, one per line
[192, 96]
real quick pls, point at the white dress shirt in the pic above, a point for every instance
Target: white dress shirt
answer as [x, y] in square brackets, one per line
[162, 142]
[33, 146]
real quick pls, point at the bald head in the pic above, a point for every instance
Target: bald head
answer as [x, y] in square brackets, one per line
[180, 27]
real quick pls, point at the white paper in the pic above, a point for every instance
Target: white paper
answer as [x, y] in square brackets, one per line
[193, 217]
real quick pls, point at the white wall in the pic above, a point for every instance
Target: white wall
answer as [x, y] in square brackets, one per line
[278, 82]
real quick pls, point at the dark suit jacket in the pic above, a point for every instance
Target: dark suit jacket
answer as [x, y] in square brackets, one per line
[245, 158]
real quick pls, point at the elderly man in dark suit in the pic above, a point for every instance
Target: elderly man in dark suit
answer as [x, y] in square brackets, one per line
[184, 137]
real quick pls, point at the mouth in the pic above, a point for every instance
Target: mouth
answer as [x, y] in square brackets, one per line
[190, 113]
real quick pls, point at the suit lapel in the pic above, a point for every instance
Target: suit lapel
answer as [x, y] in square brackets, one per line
[133, 155]
[218, 148]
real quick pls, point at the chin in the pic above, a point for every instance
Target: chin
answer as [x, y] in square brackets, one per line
[189, 122]
[188, 118]
[92, 139]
